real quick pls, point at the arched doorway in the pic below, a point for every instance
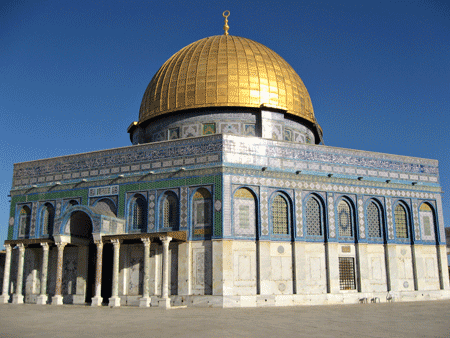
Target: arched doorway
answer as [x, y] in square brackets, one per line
[80, 229]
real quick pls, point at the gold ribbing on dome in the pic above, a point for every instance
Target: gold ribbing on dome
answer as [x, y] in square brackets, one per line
[226, 14]
[225, 71]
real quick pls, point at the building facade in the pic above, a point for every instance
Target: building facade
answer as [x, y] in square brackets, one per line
[226, 198]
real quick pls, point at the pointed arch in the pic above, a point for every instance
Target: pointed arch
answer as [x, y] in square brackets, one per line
[314, 216]
[138, 213]
[168, 211]
[244, 212]
[401, 221]
[427, 221]
[374, 219]
[202, 208]
[345, 218]
[24, 221]
[280, 214]
[47, 220]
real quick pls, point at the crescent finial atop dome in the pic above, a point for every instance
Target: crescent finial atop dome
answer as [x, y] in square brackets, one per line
[226, 14]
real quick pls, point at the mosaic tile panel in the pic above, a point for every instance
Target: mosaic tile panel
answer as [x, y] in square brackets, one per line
[331, 216]
[264, 213]
[151, 209]
[401, 225]
[299, 212]
[361, 223]
[33, 219]
[244, 213]
[415, 211]
[183, 207]
[390, 223]
[226, 205]
[440, 218]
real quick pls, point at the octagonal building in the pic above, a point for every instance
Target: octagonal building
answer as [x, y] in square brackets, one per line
[225, 198]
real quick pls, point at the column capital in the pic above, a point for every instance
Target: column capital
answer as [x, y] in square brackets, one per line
[21, 246]
[8, 247]
[99, 243]
[61, 245]
[45, 245]
[165, 239]
[147, 241]
[116, 241]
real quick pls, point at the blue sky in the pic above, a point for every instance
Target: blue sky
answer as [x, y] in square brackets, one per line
[72, 73]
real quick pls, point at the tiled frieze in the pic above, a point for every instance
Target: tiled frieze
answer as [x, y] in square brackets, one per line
[123, 160]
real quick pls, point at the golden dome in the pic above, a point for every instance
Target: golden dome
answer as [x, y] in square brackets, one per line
[225, 71]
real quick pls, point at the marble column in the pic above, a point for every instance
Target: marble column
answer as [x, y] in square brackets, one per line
[165, 300]
[145, 300]
[18, 297]
[4, 298]
[97, 299]
[114, 301]
[43, 297]
[57, 299]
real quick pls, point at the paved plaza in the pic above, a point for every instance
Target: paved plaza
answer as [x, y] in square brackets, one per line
[414, 319]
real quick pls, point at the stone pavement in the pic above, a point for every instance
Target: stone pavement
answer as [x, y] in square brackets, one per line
[413, 319]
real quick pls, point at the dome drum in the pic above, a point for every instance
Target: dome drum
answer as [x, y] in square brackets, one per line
[266, 123]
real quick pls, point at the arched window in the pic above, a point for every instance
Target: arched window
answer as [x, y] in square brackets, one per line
[280, 218]
[169, 210]
[401, 225]
[345, 220]
[138, 213]
[427, 221]
[373, 220]
[106, 206]
[313, 217]
[47, 219]
[24, 221]
[202, 208]
[244, 213]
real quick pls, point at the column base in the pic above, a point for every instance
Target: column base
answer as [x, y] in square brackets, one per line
[144, 302]
[114, 301]
[164, 303]
[57, 300]
[96, 301]
[17, 299]
[42, 300]
[4, 299]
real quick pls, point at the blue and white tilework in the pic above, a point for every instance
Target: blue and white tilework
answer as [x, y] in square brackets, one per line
[331, 217]
[362, 228]
[151, 209]
[389, 218]
[299, 212]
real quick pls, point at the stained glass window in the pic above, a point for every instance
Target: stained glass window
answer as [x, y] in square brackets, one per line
[373, 220]
[280, 216]
[313, 218]
[400, 222]
[344, 219]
